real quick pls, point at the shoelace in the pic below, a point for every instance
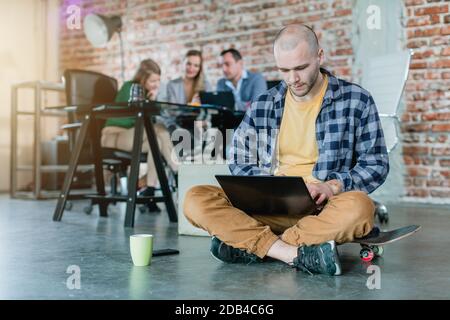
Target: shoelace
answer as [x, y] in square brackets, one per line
[238, 254]
[246, 256]
[309, 260]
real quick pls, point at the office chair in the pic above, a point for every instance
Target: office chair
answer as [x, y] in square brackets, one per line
[385, 78]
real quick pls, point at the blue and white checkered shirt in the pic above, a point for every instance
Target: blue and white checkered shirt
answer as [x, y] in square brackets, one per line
[348, 133]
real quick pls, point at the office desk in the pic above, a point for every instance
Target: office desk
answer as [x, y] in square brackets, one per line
[89, 129]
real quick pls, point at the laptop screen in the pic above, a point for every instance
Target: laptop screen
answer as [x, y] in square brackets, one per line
[218, 98]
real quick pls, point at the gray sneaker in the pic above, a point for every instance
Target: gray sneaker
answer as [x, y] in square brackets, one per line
[322, 258]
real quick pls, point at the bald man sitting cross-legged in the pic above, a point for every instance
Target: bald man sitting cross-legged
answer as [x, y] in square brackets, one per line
[312, 125]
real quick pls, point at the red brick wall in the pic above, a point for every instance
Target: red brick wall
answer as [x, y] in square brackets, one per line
[165, 30]
[426, 120]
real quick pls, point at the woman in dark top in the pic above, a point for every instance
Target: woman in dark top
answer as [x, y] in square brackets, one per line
[119, 132]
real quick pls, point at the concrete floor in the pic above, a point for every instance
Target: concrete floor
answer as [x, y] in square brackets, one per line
[35, 253]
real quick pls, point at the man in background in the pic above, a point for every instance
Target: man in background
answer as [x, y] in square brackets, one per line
[245, 85]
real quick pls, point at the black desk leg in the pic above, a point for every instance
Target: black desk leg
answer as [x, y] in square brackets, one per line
[73, 162]
[154, 148]
[99, 180]
[134, 170]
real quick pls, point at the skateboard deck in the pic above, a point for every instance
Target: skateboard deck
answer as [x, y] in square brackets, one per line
[377, 237]
[372, 243]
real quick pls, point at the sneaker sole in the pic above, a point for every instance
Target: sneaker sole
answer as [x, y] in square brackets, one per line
[216, 257]
[210, 252]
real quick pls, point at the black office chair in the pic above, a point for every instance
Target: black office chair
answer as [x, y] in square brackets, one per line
[88, 87]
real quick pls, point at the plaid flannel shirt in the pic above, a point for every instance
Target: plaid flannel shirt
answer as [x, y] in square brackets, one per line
[348, 133]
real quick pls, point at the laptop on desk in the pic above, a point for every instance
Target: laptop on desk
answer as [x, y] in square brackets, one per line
[268, 195]
[218, 98]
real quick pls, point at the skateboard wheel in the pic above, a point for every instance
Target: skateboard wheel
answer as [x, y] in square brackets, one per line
[378, 251]
[143, 209]
[366, 254]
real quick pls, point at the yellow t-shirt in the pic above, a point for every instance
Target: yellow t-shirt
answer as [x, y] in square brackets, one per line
[297, 144]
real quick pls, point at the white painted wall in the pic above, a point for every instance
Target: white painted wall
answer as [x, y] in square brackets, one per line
[369, 43]
[28, 51]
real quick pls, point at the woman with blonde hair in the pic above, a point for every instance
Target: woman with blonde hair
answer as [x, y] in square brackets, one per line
[186, 89]
[119, 132]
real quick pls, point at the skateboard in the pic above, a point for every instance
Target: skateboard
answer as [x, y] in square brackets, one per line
[372, 244]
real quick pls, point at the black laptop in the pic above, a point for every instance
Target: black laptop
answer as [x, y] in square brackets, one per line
[268, 195]
[218, 98]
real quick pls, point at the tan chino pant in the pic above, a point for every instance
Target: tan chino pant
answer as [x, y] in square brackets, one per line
[346, 216]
